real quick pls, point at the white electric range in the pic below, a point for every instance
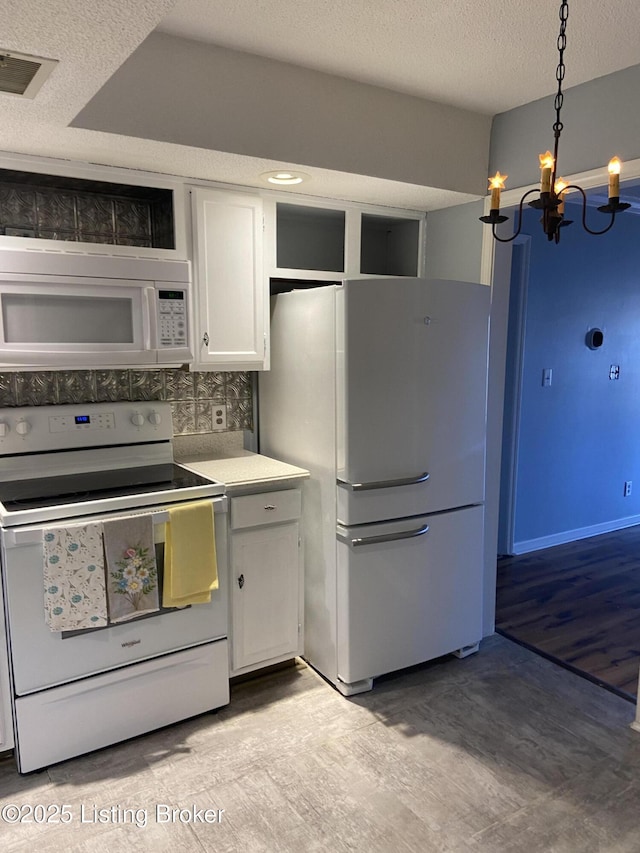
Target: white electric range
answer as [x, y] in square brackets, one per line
[67, 465]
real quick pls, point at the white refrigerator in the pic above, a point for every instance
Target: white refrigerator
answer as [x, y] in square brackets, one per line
[378, 387]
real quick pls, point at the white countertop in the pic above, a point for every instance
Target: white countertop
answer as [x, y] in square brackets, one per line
[242, 469]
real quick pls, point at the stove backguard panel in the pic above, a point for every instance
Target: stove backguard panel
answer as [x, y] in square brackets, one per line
[193, 396]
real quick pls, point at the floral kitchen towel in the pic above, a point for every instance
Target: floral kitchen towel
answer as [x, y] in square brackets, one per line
[74, 584]
[132, 574]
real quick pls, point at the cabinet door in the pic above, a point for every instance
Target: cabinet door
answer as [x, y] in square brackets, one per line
[231, 320]
[266, 594]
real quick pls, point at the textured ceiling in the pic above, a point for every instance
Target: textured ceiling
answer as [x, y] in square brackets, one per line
[484, 55]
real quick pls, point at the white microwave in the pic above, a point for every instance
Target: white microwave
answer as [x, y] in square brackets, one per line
[72, 311]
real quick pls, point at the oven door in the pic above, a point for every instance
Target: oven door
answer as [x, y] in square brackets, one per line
[41, 658]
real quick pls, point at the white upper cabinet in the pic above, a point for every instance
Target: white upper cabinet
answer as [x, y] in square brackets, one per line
[231, 310]
[310, 238]
[390, 245]
[325, 240]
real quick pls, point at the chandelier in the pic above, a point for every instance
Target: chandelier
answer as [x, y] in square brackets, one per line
[553, 189]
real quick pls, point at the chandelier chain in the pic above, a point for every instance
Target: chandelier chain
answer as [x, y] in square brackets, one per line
[560, 70]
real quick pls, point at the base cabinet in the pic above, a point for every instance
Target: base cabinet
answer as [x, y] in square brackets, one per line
[266, 585]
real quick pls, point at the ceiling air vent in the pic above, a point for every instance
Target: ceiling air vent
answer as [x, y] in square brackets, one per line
[23, 75]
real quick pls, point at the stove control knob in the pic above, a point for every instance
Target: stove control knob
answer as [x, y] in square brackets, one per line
[4, 429]
[23, 427]
[155, 418]
[137, 419]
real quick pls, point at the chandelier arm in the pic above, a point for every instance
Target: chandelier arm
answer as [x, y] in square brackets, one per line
[584, 212]
[519, 228]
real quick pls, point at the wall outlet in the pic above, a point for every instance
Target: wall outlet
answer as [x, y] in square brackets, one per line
[627, 488]
[219, 416]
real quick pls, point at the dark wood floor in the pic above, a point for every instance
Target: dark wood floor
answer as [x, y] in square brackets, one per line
[578, 604]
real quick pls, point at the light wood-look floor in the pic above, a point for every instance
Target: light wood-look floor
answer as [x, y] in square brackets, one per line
[503, 751]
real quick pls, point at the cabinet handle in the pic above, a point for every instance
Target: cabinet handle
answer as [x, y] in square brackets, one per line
[241, 581]
[270, 507]
[205, 339]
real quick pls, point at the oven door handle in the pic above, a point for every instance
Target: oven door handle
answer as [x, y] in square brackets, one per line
[15, 537]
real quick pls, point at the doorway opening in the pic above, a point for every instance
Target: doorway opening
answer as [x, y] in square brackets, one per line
[568, 584]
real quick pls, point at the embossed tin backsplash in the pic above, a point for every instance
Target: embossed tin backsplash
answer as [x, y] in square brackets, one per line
[72, 209]
[193, 396]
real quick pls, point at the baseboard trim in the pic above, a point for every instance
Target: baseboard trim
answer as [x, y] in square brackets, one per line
[573, 535]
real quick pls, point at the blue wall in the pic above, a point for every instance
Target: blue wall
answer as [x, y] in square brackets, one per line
[579, 438]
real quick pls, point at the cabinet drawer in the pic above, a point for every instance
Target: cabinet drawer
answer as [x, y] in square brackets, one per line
[265, 508]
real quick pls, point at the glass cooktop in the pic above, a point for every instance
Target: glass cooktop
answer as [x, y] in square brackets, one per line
[97, 485]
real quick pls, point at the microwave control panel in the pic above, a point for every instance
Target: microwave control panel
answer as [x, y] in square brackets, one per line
[172, 315]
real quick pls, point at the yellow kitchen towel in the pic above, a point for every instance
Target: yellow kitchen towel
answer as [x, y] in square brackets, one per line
[190, 567]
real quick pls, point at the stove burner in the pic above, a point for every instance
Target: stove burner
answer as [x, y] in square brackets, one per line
[25, 503]
[96, 486]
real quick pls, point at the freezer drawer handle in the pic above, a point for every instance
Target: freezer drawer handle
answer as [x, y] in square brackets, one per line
[385, 537]
[385, 484]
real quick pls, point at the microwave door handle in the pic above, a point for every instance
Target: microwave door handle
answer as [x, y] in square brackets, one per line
[149, 319]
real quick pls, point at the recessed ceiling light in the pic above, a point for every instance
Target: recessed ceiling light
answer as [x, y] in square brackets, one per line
[285, 178]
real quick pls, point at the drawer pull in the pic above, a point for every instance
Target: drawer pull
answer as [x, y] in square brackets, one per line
[241, 581]
[270, 507]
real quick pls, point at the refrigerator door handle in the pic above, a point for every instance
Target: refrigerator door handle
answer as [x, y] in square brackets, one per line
[384, 484]
[385, 537]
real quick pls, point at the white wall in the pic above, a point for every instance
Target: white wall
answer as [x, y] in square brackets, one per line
[454, 242]
[191, 93]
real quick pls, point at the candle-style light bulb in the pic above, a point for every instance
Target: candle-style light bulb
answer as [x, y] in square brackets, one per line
[558, 188]
[614, 177]
[496, 183]
[546, 167]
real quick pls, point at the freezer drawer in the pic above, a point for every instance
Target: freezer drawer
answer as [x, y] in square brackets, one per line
[408, 591]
